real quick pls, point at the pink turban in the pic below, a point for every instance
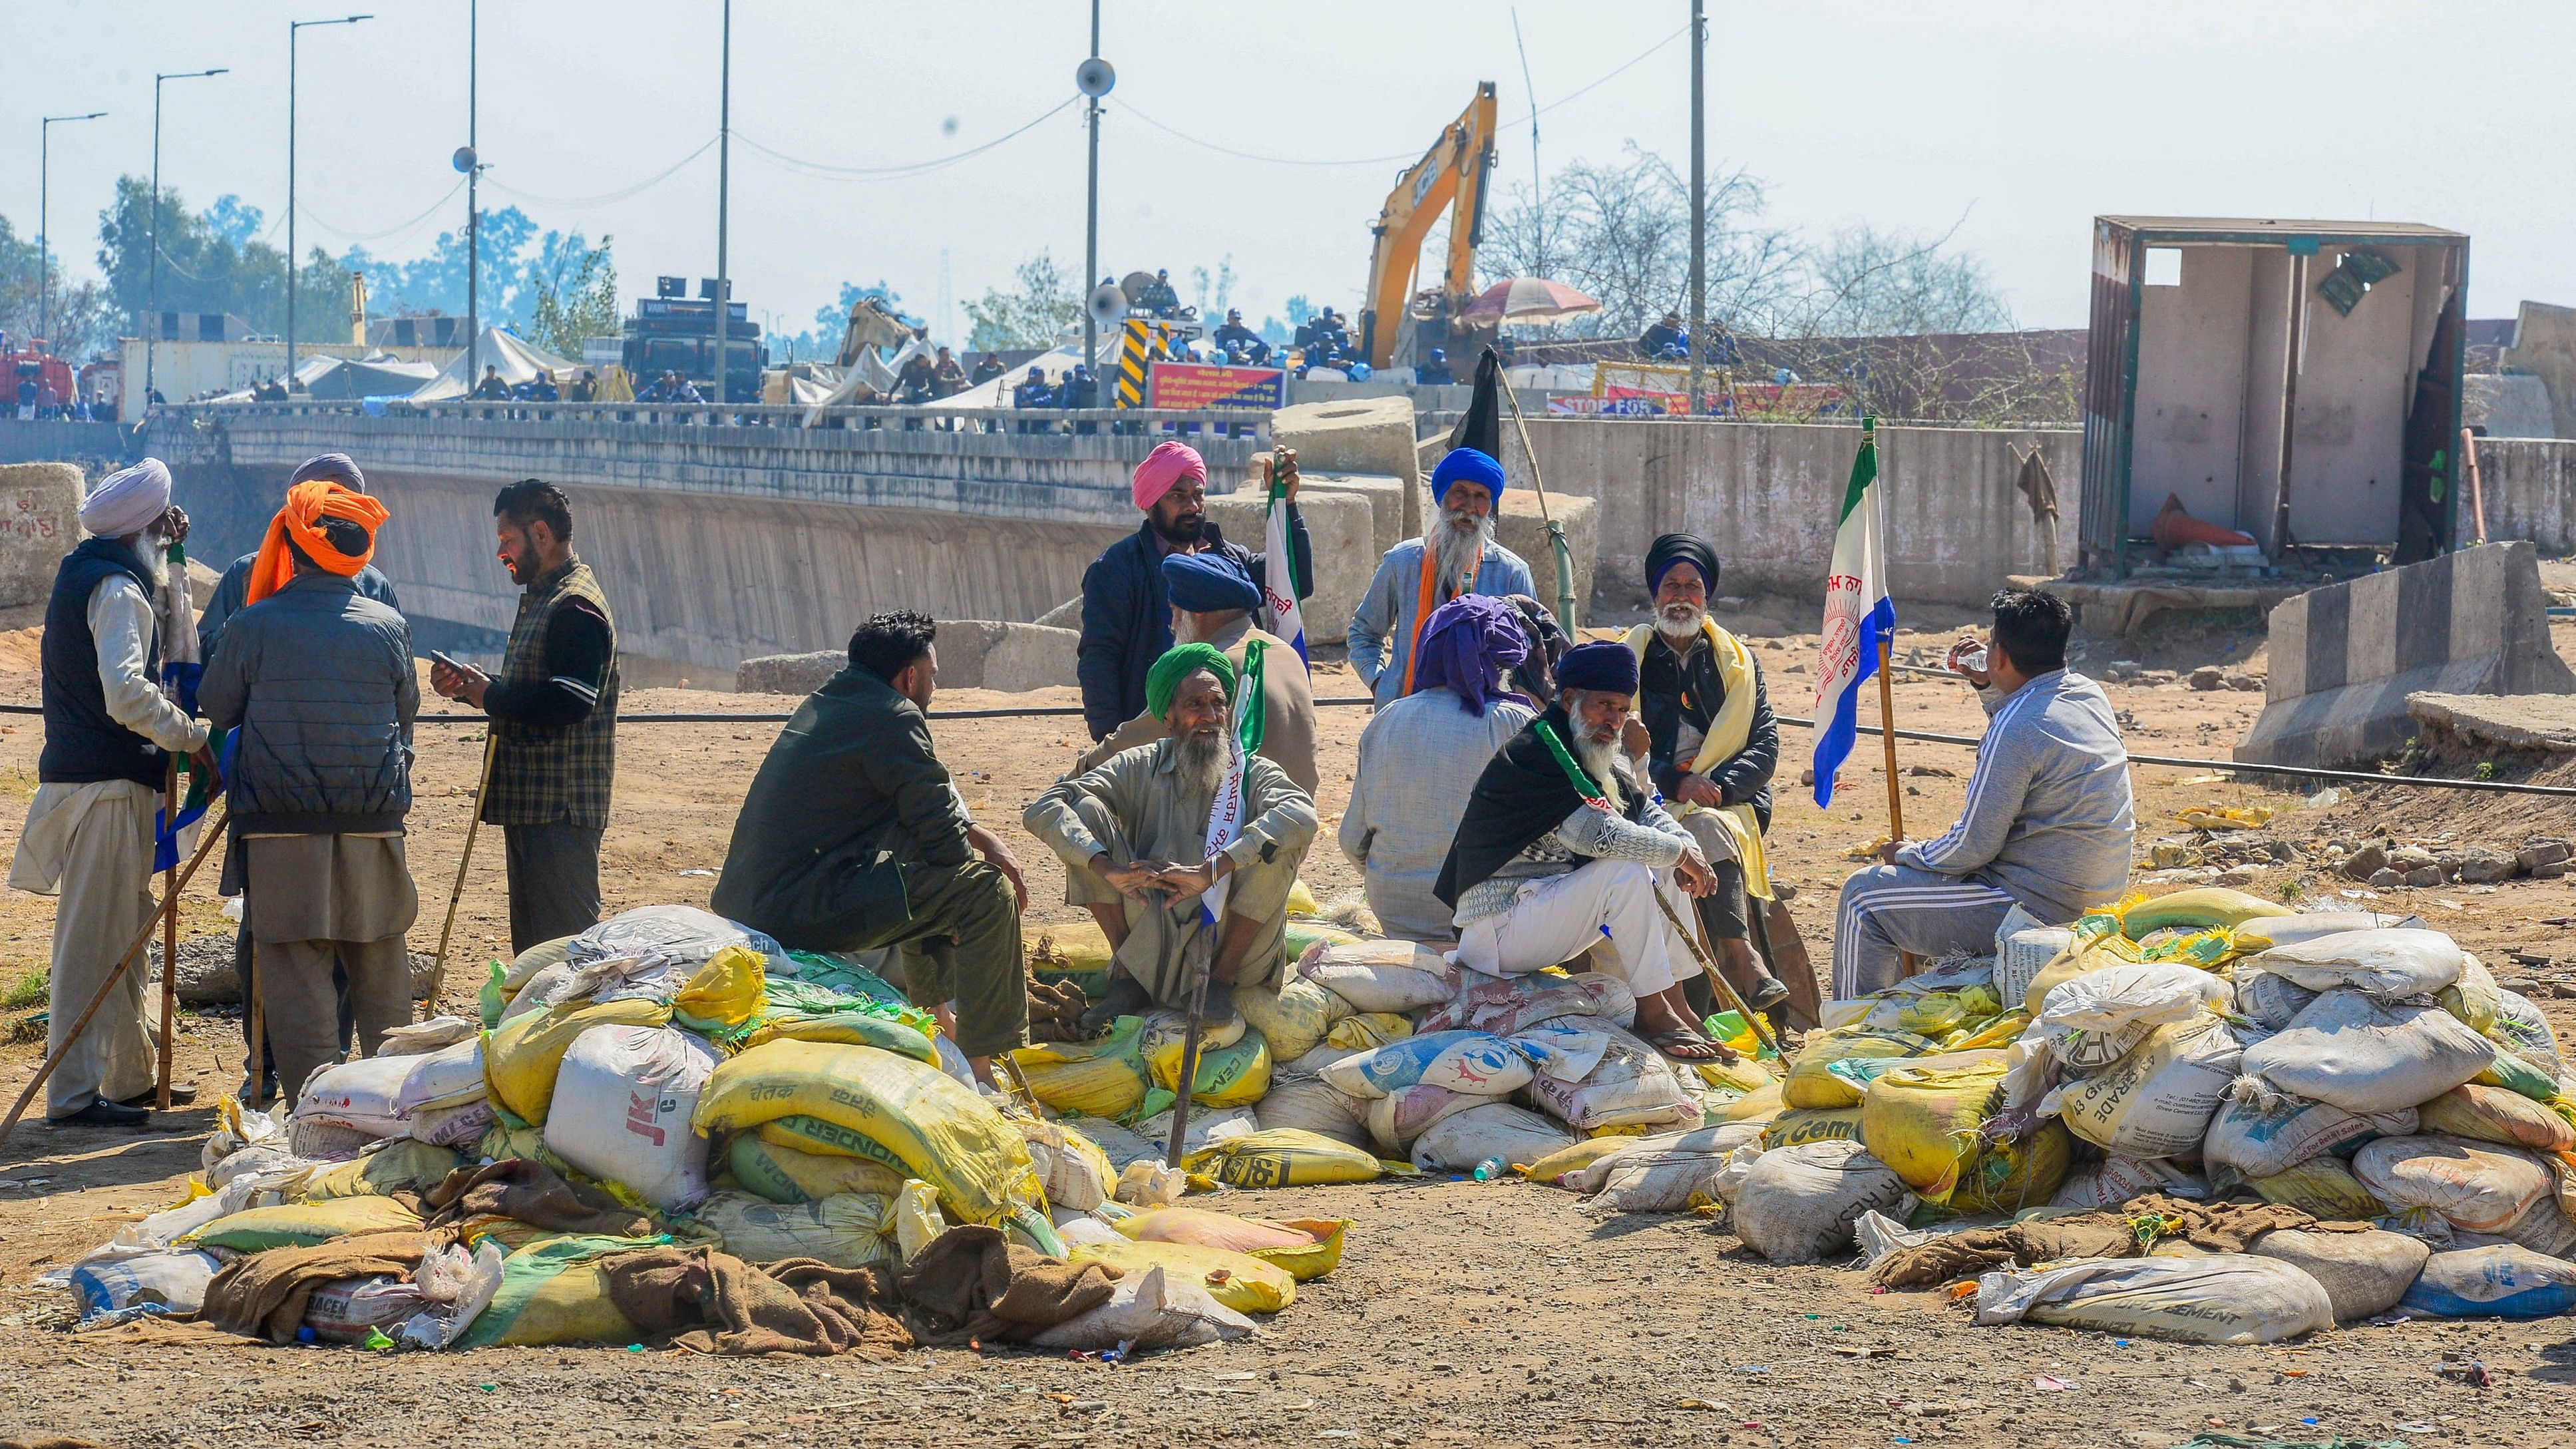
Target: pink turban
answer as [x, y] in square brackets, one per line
[1164, 468]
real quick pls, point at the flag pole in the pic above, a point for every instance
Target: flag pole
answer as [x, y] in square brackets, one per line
[1887, 707]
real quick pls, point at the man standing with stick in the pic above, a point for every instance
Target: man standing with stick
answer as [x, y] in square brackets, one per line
[554, 719]
[89, 831]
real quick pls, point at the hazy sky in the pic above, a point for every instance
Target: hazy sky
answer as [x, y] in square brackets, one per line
[2026, 119]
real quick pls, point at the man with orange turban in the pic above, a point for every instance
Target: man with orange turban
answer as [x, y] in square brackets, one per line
[319, 682]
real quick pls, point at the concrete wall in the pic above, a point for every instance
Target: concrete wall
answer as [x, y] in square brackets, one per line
[1769, 494]
[2530, 490]
[39, 523]
[90, 444]
[1343, 529]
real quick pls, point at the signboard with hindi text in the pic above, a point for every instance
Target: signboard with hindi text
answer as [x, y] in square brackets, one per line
[1193, 385]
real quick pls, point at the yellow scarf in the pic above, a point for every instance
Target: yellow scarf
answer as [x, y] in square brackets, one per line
[1727, 736]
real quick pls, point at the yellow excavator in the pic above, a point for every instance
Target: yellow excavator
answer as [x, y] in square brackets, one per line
[1451, 176]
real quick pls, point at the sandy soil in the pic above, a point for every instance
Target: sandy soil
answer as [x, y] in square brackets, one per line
[1463, 1313]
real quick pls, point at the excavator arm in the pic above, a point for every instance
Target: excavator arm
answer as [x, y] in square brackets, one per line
[1451, 176]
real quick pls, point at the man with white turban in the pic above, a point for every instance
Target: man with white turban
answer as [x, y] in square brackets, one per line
[109, 733]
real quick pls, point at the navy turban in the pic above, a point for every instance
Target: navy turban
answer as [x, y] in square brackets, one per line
[1208, 583]
[1681, 548]
[1470, 466]
[1608, 666]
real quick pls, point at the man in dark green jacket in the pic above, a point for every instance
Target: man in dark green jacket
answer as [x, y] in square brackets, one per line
[853, 839]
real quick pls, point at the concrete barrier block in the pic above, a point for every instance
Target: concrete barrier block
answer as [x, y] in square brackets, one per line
[1025, 656]
[1358, 435]
[1520, 528]
[789, 673]
[41, 524]
[2345, 657]
[1341, 526]
[1385, 494]
[973, 654]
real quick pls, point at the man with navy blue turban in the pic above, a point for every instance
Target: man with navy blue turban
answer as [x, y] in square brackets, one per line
[1214, 602]
[1456, 555]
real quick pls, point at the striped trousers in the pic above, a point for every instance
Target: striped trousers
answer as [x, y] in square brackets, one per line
[1890, 909]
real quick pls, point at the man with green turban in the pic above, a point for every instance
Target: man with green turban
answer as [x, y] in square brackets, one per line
[1185, 848]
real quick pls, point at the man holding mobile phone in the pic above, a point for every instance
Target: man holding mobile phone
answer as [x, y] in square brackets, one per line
[554, 718]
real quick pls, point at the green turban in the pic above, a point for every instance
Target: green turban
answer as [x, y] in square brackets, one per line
[1164, 679]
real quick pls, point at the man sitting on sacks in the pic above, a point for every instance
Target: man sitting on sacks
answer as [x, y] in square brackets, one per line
[1215, 602]
[1561, 846]
[1185, 849]
[2050, 817]
[1712, 745]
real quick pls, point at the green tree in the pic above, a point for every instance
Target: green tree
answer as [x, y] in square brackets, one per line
[82, 321]
[1032, 316]
[211, 262]
[576, 298]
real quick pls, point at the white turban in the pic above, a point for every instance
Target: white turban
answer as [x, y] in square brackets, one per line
[129, 501]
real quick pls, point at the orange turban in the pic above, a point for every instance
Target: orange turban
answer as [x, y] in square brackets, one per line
[307, 504]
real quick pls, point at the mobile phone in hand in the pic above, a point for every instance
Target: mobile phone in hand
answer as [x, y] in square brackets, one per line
[437, 658]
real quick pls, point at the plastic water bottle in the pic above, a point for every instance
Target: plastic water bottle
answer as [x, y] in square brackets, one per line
[1491, 1168]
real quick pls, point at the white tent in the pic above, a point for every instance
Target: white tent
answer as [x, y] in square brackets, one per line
[518, 359]
[996, 393]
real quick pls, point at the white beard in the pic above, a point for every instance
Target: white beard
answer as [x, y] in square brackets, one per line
[1603, 763]
[1199, 761]
[1460, 552]
[1680, 623]
[154, 550]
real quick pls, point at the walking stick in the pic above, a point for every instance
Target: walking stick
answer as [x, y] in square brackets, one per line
[1887, 738]
[1743, 1008]
[133, 949]
[169, 941]
[1174, 1149]
[438, 971]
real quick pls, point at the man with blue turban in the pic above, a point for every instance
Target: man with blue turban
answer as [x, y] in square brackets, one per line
[1456, 555]
[1214, 602]
[1184, 849]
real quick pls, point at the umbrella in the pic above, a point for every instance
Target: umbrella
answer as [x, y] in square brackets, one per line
[1529, 299]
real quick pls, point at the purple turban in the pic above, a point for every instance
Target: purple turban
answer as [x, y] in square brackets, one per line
[1467, 645]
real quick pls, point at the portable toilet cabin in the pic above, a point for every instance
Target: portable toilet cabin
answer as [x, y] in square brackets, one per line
[2297, 381]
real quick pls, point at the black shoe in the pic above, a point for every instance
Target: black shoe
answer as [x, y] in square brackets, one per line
[246, 1097]
[179, 1097]
[103, 1113]
[1218, 1010]
[1127, 997]
[1770, 993]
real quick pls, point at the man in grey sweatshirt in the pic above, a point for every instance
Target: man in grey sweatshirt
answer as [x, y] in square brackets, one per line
[2049, 822]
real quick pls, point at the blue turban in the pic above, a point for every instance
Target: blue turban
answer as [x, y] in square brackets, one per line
[1466, 465]
[1208, 583]
[1608, 666]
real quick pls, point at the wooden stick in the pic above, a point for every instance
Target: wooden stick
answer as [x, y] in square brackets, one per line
[1564, 551]
[133, 949]
[1887, 737]
[258, 1029]
[2477, 493]
[169, 939]
[474, 822]
[1761, 1027]
[1178, 1147]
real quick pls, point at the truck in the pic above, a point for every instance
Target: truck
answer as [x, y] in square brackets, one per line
[674, 333]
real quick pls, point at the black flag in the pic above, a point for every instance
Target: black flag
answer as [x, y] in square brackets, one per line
[1482, 427]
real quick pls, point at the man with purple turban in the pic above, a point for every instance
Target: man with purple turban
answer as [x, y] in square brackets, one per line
[1420, 756]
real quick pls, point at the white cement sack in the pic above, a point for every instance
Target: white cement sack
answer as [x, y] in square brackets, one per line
[2521, 1029]
[1072, 1169]
[2157, 1100]
[1473, 1062]
[2368, 1056]
[349, 1310]
[1510, 1005]
[2261, 1132]
[420, 1038]
[2480, 1186]
[2113, 1181]
[1381, 975]
[1675, 1176]
[2098, 1018]
[846, 1230]
[2545, 1229]
[1149, 1311]
[2220, 1298]
[1312, 1064]
[1398, 1119]
[1563, 1050]
[2022, 954]
[2391, 965]
[2364, 1274]
[1312, 1104]
[622, 1105]
[380, 1095]
[171, 1280]
[2273, 1002]
[460, 1126]
[2492, 1283]
[1632, 1085]
[1460, 1142]
[1797, 1204]
[2264, 932]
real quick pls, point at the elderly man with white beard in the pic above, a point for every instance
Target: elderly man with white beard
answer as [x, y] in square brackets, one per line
[1562, 846]
[1712, 744]
[1183, 849]
[1457, 555]
[110, 730]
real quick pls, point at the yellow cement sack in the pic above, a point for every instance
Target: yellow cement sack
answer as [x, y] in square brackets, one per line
[2474, 998]
[1306, 1247]
[1103, 1078]
[2006, 1177]
[1759, 1105]
[1234, 1074]
[2510, 1071]
[1812, 1082]
[2323, 1188]
[401, 1165]
[1366, 1030]
[555, 1291]
[2085, 957]
[1555, 1166]
[732, 988]
[522, 1056]
[303, 1225]
[781, 1173]
[2495, 1114]
[1283, 1157]
[869, 1103]
[846, 1230]
[1293, 1018]
[1302, 902]
[849, 1028]
[2479, 1186]
[1798, 1128]
[1077, 1174]
[1240, 1281]
[1922, 1121]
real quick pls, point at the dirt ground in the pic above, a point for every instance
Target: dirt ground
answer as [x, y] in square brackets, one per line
[1463, 1313]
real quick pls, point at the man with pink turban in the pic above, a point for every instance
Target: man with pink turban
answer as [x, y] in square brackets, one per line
[1126, 607]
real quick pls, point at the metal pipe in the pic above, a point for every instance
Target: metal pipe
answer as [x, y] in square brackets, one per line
[1091, 218]
[44, 232]
[724, 197]
[1699, 210]
[473, 217]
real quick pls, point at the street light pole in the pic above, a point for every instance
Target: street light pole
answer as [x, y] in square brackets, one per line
[1699, 211]
[1091, 219]
[724, 199]
[152, 294]
[473, 218]
[44, 234]
[292, 27]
